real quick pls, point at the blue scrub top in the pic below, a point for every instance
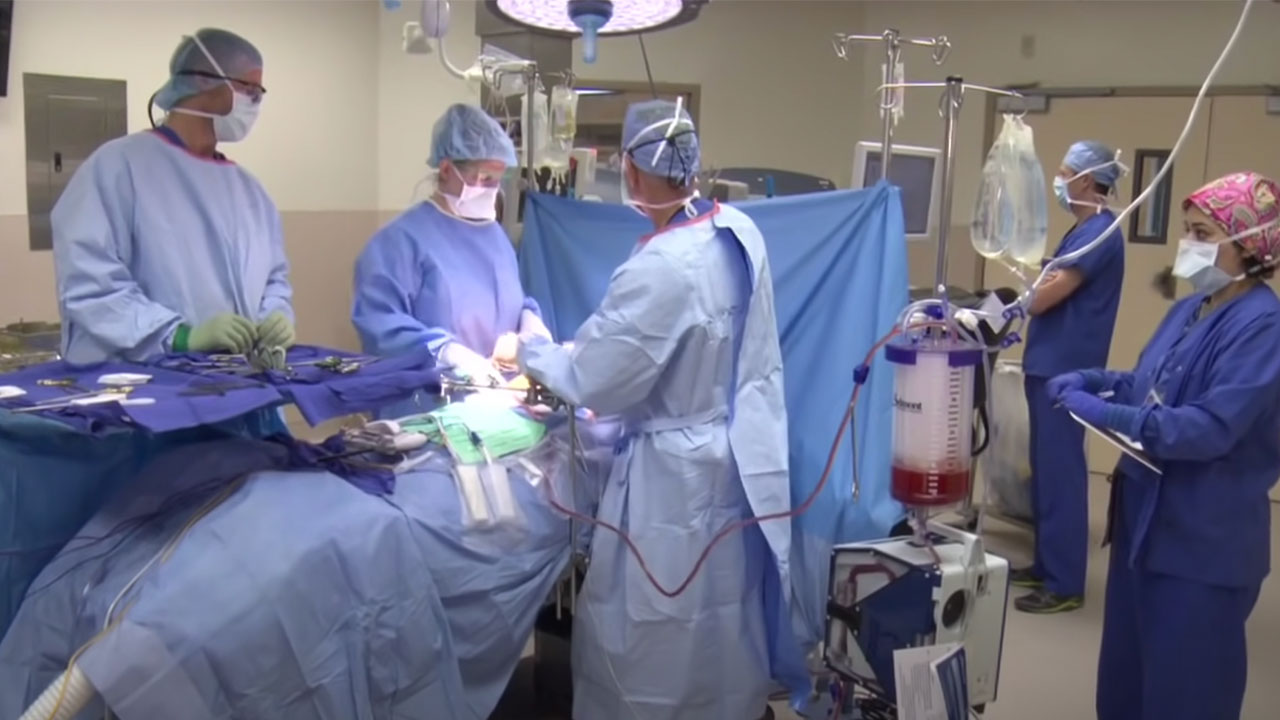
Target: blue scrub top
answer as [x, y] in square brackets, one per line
[1076, 334]
[1208, 385]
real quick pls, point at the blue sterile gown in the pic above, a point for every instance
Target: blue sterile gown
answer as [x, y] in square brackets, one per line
[684, 347]
[428, 279]
[148, 236]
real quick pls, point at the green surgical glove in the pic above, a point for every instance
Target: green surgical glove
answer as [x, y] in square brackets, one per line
[227, 332]
[276, 331]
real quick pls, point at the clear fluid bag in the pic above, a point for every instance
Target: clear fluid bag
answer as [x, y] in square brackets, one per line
[999, 195]
[1031, 219]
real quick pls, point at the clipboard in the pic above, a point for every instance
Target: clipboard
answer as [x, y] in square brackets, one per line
[1123, 443]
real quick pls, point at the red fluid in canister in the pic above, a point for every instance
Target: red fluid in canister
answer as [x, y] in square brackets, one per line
[929, 489]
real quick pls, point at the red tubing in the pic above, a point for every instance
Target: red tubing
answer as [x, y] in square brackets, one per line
[804, 506]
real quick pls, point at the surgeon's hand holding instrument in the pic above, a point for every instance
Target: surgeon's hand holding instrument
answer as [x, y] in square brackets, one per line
[505, 350]
[468, 363]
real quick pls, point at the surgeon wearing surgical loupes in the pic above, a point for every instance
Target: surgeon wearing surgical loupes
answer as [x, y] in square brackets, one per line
[443, 274]
[1074, 315]
[684, 346]
[1189, 545]
[160, 243]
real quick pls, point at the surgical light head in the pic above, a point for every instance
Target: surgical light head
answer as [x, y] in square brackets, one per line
[467, 133]
[191, 72]
[660, 138]
[590, 16]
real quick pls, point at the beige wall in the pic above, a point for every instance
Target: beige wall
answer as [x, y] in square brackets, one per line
[773, 92]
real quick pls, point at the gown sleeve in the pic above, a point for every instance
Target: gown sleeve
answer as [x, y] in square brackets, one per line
[92, 244]
[1243, 380]
[388, 280]
[621, 350]
[278, 296]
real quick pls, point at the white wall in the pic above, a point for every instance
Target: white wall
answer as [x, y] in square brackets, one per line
[413, 91]
[313, 147]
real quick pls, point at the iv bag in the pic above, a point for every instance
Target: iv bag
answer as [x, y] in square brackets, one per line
[1011, 215]
[1031, 223]
[994, 215]
[564, 126]
[535, 133]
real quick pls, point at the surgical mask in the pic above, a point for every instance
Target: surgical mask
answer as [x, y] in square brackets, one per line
[1064, 197]
[1197, 261]
[236, 124]
[476, 202]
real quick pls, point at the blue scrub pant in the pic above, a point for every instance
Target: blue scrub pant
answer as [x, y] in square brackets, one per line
[1172, 648]
[1059, 492]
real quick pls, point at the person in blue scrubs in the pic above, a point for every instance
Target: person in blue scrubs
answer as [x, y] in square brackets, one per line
[443, 274]
[684, 347]
[1190, 544]
[160, 243]
[1073, 317]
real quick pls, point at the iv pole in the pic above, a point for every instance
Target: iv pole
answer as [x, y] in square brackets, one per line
[893, 42]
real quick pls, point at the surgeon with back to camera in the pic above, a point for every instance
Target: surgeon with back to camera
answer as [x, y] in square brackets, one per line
[1190, 545]
[443, 275]
[684, 346]
[160, 243]
[1074, 316]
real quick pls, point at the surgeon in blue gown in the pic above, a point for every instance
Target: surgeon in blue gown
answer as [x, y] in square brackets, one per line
[161, 243]
[1190, 545]
[1074, 315]
[684, 346]
[443, 274]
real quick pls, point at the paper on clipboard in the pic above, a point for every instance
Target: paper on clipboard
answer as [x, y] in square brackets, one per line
[1123, 443]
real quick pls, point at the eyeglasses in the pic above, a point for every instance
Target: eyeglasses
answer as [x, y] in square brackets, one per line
[253, 90]
[472, 175]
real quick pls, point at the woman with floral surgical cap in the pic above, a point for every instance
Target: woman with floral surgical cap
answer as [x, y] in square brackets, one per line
[1190, 544]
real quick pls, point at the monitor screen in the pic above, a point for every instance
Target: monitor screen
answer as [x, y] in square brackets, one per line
[912, 173]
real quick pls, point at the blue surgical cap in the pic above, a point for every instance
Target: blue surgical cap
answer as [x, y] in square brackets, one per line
[1088, 155]
[236, 56]
[649, 134]
[465, 132]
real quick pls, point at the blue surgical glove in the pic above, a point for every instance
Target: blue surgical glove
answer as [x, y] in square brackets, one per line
[1092, 381]
[1100, 413]
[1063, 383]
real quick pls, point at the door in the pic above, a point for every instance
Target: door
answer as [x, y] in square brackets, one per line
[1127, 124]
[67, 118]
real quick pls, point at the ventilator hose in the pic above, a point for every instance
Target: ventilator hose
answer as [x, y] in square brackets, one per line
[803, 508]
[64, 698]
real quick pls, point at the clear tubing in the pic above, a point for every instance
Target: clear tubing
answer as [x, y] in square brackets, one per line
[1155, 182]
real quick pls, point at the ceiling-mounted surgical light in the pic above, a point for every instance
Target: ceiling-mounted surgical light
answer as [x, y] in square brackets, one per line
[590, 18]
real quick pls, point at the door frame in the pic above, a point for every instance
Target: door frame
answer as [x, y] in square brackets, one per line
[991, 112]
